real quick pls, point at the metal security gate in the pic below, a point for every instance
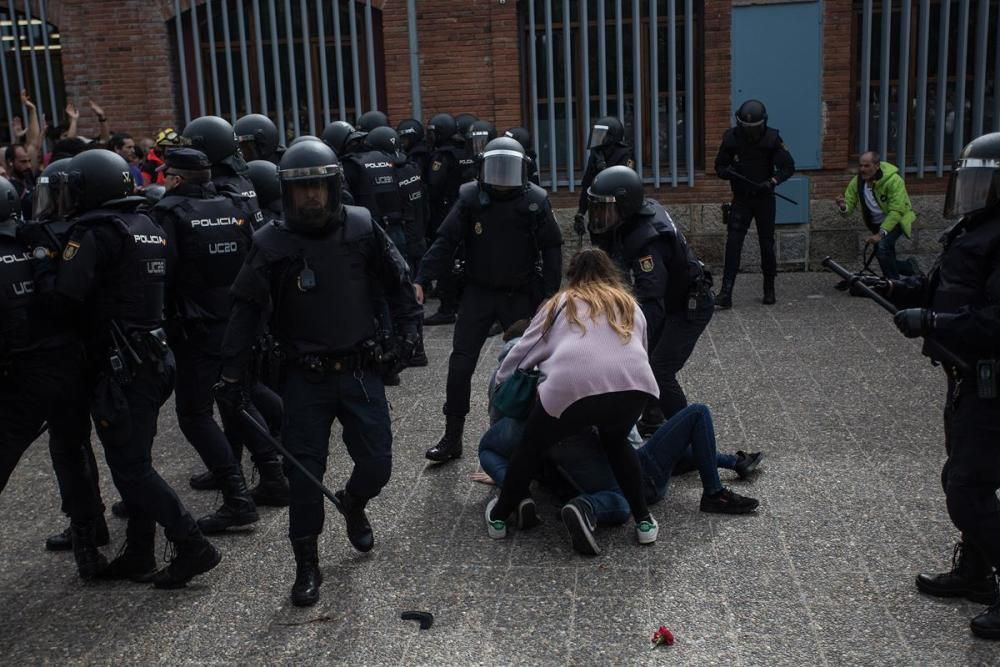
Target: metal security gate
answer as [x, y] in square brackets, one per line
[29, 60]
[635, 59]
[302, 63]
[927, 78]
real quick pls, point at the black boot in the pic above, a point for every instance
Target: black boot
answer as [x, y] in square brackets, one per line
[768, 299]
[305, 590]
[64, 541]
[724, 299]
[272, 489]
[204, 482]
[135, 560]
[652, 419]
[419, 358]
[359, 531]
[195, 555]
[971, 577]
[90, 562]
[238, 508]
[450, 445]
[987, 623]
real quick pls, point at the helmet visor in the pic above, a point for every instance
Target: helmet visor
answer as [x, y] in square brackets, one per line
[603, 215]
[45, 199]
[597, 136]
[972, 187]
[248, 147]
[752, 130]
[503, 168]
[311, 197]
[478, 141]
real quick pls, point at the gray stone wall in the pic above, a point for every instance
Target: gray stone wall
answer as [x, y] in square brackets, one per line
[799, 247]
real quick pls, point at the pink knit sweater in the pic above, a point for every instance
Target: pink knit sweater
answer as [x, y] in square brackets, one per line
[576, 364]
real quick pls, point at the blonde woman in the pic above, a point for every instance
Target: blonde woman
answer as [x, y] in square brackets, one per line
[589, 343]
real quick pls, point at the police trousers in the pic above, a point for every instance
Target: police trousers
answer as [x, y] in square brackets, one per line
[761, 209]
[48, 386]
[678, 336]
[312, 401]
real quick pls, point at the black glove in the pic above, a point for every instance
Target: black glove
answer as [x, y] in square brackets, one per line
[230, 395]
[765, 187]
[878, 285]
[580, 224]
[914, 322]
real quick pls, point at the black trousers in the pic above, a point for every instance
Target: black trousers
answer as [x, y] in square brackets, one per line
[479, 309]
[50, 386]
[761, 210]
[971, 473]
[667, 356]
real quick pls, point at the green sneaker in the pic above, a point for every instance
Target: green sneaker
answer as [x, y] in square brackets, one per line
[647, 530]
[497, 530]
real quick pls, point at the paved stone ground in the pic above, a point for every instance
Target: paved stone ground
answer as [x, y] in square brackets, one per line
[851, 509]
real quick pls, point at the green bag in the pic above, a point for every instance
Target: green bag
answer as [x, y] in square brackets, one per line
[515, 396]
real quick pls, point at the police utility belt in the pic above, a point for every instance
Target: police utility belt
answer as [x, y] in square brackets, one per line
[368, 357]
[133, 349]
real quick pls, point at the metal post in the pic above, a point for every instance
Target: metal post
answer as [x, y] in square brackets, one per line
[866, 76]
[568, 97]
[550, 87]
[637, 85]
[689, 87]
[903, 93]
[416, 107]
[533, 76]
[307, 57]
[370, 52]
[323, 73]
[293, 77]
[620, 56]
[654, 85]
[6, 91]
[602, 59]
[230, 72]
[996, 81]
[923, 41]
[276, 68]
[33, 56]
[15, 31]
[958, 138]
[339, 60]
[979, 90]
[212, 59]
[185, 96]
[53, 103]
[241, 24]
[261, 72]
[672, 73]
[353, 18]
[585, 51]
[199, 74]
[883, 79]
[942, 82]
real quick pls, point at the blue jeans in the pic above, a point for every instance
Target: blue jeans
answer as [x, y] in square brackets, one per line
[497, 446]
[885, 252]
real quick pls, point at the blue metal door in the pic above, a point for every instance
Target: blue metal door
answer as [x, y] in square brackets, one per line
[777, 59]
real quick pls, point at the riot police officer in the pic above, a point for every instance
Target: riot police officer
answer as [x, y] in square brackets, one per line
[754, 160]
[523, 136]
[505, 223]
[369, 120]
[42, 381]
[958, 305]
[207, 240]
[411, 138]
[322, 253]
[342, 138]
[264, 176]
[371, 177]
[479, 134]
[258, 138]
[444, 177]
[113, 272]
[671, 285]
[607, 149]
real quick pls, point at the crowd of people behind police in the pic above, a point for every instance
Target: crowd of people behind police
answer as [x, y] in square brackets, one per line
[284, 287]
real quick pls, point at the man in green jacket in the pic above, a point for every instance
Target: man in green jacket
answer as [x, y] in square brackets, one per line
[880, 193]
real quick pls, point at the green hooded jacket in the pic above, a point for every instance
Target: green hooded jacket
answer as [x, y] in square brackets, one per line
[890, 191]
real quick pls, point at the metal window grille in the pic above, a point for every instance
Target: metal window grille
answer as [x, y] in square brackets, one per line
[300, 62]
[30, 59]
[927, 80]
[636, 59]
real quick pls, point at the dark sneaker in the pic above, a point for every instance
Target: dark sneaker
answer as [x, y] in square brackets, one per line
[747, 463]
[578, 517]
[987, 624]
[727, 502]
[969, 578]
[527, 514]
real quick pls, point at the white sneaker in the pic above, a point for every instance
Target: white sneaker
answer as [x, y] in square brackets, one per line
[497, 530]
[647, 530]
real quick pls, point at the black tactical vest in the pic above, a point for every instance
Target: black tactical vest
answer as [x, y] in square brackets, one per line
[240, 190]
[17, 288]
[212, 240]
[754, 161]
[337, 313]
[377, 189]
[411, 192]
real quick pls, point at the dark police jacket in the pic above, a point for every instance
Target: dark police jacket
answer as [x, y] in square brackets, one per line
[373, 184]
[208, 237]
[757, 161]
[443, 179]
[413, 196]
[654, 253]
[419, 154]
[240, 189]
[503, 239]
[600, 159]
[352, 266]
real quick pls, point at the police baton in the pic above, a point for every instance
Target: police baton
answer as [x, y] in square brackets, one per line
[855, 281]
[741, 177]
[266, 434]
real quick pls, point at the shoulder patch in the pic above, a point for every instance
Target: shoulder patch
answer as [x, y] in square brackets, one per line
[646, 264]
[478, 228]
[70, 251]
[436, 165]
[533, 207]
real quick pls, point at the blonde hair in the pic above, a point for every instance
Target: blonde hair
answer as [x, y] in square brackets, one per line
[594, 280]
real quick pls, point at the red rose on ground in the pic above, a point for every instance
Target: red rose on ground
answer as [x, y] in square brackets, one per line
[662, 636]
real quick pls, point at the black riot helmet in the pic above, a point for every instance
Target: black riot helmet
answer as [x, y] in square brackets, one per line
[95, 179]
[440, 130]
[46, 203]
[9, 208]
[520, 135]
[257, 136]
[304, 137]
[503, 170]
[974, 184]
[479, 135]
[411, 132]
[153, 193]
[216, 138]
[615, 196]
[751, 119]
[383, 139]
[369, 120]
[311, 184]
[463, 122]
[607, 131]
[336, 133]
[264, 176]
